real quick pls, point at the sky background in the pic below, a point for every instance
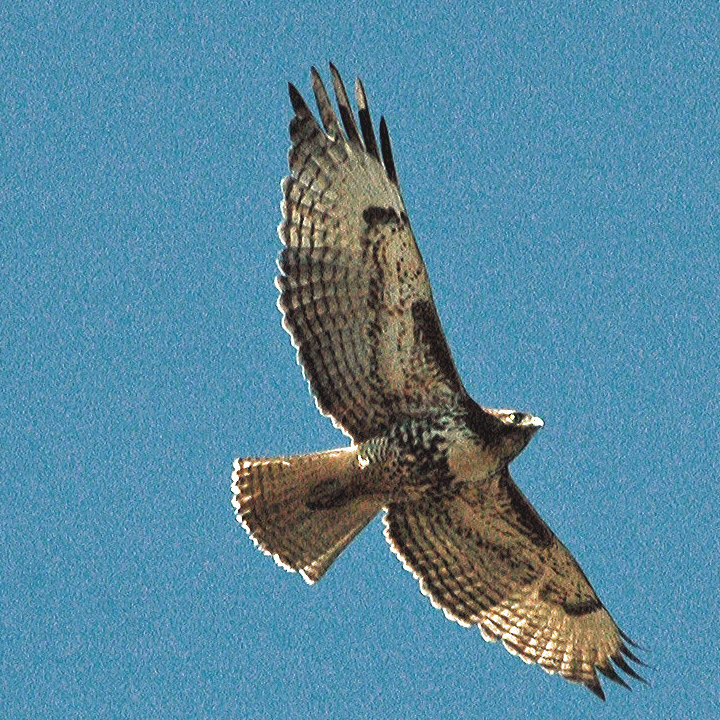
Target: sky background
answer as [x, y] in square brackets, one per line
[560, 167]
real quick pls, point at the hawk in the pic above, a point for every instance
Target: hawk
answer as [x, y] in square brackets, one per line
[356, 300]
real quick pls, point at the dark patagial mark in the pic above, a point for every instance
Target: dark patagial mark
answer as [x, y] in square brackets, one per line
[537, 530]
[428, 332]
[375, 215]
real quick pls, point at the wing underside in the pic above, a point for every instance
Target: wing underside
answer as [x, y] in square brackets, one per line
[354, 291]
[486, 558]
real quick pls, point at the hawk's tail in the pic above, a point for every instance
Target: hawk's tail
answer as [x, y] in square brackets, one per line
[305, 509]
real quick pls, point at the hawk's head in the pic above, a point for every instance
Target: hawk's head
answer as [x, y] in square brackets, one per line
[516, 430]
[518, 419]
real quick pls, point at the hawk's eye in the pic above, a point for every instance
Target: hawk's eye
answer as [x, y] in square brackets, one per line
[513, 417]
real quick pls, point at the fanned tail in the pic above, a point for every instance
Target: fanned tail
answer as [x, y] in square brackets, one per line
[305, 509]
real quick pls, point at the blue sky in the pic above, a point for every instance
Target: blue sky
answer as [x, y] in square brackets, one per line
[559, 164]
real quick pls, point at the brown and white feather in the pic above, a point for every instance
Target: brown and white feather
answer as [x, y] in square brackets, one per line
[357, 303]
[352, 278]
[286, 506]
[485, 557]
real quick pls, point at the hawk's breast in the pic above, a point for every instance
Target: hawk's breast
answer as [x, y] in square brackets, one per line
[427, 456]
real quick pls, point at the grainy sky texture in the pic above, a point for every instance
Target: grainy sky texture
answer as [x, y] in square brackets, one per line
[560, 167]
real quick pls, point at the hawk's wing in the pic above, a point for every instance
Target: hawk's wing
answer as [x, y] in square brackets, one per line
[354, 291]
[485, 557]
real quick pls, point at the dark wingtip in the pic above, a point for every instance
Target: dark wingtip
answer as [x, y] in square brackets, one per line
[620, 661]
[296, 99]
[327, 114]
[386, 150]
[346, 113]
[629, 641]
[609, 672]
[625, 650]
[596, 689]
[366, 125]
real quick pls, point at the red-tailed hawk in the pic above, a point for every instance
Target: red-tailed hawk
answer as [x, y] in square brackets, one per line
[356, 300]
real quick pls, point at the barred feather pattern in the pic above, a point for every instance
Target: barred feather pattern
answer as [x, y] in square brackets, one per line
[286, 506]
[486, 558]
[352, 277]
[356, 301]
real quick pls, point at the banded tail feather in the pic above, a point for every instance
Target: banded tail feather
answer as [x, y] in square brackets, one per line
[303, 510]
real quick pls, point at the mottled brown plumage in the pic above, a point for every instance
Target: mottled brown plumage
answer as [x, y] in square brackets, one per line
[356, 301]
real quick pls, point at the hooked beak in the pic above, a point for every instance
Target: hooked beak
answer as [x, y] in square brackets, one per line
[533, 421]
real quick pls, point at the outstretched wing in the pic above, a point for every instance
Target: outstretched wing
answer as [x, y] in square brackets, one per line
[486, 558]
[354, 291]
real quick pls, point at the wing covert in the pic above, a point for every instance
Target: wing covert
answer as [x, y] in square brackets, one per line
[354, 291]
[486, 558]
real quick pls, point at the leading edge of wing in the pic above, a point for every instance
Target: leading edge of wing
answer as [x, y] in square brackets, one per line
[314, 209]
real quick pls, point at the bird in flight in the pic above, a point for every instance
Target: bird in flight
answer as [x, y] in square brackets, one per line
[356, 300]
